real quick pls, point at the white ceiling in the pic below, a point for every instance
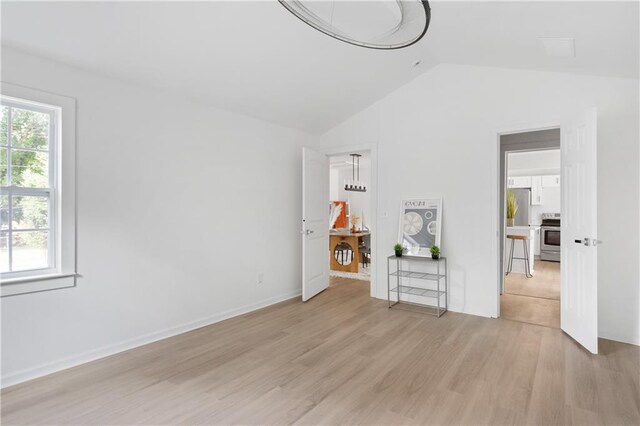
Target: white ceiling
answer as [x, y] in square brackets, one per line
[256, 58]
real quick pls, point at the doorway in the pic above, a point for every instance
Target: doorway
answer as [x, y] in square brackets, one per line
[350, 209]
[579, 213]
[530, 212]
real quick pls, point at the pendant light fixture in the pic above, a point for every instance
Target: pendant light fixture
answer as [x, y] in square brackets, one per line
[383, 24]
[355, 184]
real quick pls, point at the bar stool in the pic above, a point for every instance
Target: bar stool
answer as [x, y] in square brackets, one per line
[525, 245]
[366, 256]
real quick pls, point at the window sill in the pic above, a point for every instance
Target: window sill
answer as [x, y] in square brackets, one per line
[36, 283]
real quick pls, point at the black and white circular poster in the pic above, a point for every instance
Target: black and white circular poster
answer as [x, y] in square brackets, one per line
[420, 225]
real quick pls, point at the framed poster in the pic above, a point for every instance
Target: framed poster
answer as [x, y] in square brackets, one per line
[420, 224]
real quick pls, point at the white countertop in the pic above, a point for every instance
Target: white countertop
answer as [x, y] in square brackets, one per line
[524, 228]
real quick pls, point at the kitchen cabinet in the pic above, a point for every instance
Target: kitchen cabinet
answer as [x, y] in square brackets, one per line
[550, 181]
[519, 182]
[536, 190]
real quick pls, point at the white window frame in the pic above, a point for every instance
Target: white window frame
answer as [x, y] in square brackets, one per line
[50, 191]
[61, 272]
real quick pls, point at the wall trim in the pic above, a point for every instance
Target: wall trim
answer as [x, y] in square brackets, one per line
[452, 308]
[616, 336]
[105, 351]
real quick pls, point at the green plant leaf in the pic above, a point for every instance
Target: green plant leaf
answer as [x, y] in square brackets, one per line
[512, 205]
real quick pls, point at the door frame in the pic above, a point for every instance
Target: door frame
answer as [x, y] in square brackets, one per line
[499, 202]
[373, 150]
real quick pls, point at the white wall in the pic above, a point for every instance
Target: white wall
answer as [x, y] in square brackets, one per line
[179, 207]
[437, 136]
[334, 184]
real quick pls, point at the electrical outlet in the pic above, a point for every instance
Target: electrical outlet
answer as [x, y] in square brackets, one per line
[260, 277]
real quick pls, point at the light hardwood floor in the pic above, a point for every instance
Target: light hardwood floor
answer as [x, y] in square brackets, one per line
[545, 283]
[533, 300]
[532, 310]
[344, 358]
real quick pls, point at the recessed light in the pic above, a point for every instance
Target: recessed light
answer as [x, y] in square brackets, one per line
[559, 46]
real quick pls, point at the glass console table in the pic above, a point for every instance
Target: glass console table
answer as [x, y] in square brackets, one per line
[424, 287]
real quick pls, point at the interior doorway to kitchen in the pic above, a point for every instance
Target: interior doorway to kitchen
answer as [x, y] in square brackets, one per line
[350, 209]
[531, 203]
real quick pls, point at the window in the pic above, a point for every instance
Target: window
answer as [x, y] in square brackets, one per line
[27, 176]
[37, 190]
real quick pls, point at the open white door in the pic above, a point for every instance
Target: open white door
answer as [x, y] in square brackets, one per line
[315, 223]
[579, 251]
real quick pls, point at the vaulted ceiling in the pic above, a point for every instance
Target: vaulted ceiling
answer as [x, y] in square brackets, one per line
[257, 59]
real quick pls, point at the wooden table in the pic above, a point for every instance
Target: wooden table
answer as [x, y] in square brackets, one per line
[351, 238]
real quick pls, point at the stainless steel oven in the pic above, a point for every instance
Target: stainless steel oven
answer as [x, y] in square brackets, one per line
[550, 237]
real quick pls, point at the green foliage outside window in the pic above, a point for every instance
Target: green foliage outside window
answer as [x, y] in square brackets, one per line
[29, 169]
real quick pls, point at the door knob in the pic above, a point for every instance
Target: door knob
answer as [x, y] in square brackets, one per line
[588, 242]
[309, 231]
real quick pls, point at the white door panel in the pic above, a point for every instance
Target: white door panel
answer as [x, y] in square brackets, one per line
[315, 223]
[579, 252]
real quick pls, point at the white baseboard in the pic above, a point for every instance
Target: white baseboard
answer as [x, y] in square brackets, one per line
[95, 354]
[452, 308]
[619, 337]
